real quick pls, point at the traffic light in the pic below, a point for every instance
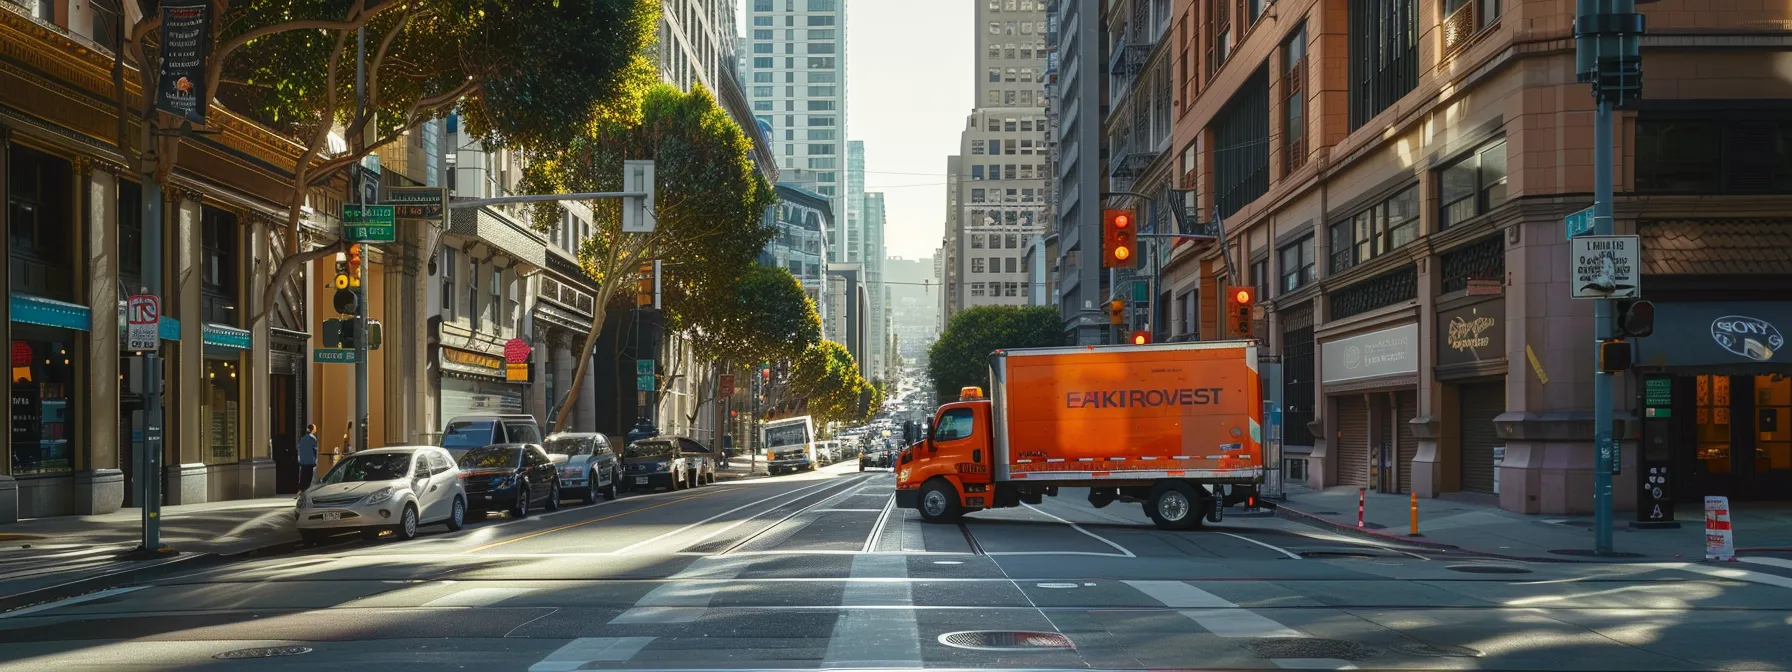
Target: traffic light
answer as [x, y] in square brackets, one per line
[376, 333]
[1117, 312]
[354, 265]
[347, 301]
[348, 333]
[1239, 303]
[332, 333]
[1141, 337]
[1119, 242]
[644, 287]
[1614, 355]
[1635, 318]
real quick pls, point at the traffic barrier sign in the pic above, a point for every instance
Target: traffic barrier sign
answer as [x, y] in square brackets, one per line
[143, 315]
[1719, 544]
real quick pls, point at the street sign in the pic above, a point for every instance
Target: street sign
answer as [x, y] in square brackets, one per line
[1605, 267]
[333, 355]
[1579, 223]
[417, 202]
[727, 386]
[644, 383]
[143, 314]
[369, 223]
[643, 367]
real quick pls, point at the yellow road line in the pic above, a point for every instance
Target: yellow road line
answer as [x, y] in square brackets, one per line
[581, 524]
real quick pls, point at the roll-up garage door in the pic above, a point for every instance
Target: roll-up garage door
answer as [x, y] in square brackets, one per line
[1480, 404]
[466, 397]
[1351, 444]
[1406, 445]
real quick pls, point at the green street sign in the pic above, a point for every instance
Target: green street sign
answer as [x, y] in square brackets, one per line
[333, 356]
[644, 383]
[369, 223]
[644, 367]
[1141, 292]
[416, 202]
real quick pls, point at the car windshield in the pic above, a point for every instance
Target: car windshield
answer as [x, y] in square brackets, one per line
[467, 434]
[363, 468]
[491, 457]
[655, 449]
[568, 446]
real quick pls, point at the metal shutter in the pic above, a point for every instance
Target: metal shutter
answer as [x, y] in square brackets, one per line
[1351, 444]
[1407, 446]
[1479, 404]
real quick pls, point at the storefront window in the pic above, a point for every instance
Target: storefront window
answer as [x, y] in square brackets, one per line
[1714, 424]
[43, 408]
[219, 273]
[218, 410]
[1773, 412]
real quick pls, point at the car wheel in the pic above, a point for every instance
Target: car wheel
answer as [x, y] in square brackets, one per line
[590, 496]
[939, 502]
[614, 487]
[406, 529]
[521, 508]
[1175, 505]
[457, 517]
[553, 496]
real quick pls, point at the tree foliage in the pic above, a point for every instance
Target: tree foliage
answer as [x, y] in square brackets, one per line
[960, 357]
[763, 316]
[708, 205]
[827, 379]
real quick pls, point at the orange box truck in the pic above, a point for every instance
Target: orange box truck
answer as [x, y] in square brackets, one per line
[1176, 427]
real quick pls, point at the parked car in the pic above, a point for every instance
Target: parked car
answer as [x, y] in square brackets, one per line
[466, 432]
[512, 476]
[667, 461]
[586, 463]
[877, 457]
[397, 489]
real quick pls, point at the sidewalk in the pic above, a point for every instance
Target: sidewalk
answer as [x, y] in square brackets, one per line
[1477, 524]
[44, 558]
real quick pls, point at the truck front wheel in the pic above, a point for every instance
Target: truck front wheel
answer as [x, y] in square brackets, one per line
[939, 503]
[1175, 505]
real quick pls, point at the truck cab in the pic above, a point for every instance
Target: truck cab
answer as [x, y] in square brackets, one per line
[955, 457]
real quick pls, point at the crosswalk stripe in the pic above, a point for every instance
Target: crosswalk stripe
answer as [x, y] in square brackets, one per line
[679, 601]
[876, 638]
[1179, 595]
[586, 650]
[1238, 623]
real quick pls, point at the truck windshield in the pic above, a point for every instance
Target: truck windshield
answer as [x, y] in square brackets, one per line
[954, 424]
[786, 436]
[468, 434]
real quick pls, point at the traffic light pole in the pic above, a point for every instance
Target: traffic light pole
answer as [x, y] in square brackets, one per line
[361, 336]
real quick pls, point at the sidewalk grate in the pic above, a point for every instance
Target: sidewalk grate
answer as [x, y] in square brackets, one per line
[263, 652]
[1005, 640]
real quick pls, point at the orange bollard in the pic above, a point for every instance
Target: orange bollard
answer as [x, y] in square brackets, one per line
[1415, 516]
[1362, 496]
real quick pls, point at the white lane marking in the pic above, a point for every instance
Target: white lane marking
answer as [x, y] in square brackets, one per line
[1179, 595]
[678, 601]
[72, 601]
[710, 519]
[1236, 622]
[585, 650]
[876, 637]
[1314, 664]
[877, 529]
[823, 551]
[477, 597]
[1776, 562]
[1089, 553]
[1079, 528]
[1277, 549]
[847, 511]
[1728, 573]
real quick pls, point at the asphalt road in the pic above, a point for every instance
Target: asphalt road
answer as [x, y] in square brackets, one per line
[815, 571]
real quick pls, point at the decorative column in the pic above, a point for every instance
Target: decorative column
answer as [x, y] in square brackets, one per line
[539, 402]
[258, 469]
[562, 361]
[184, 476]
[9, 487]
[99, 484]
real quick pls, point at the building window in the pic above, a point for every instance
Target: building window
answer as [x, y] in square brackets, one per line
[821, 121]
[446, 263]
[218, 408]
[976, 289]
[497, 300]
[977, 265]
[218, 272]
[1741, 154]
[1464, 18]
[1297, 265]
[1380, 229]
[1473, 185]
[819, 105]
[1219, 34]
[1384, 55]
[1260, 278]
[473, 294]
[1294, 104]
[1241, 159]
[41, 222]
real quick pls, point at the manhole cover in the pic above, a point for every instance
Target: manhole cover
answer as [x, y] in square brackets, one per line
[263, 652]
[1004, 640]
[1310, 647]
[1438, 650]
[1488, 569]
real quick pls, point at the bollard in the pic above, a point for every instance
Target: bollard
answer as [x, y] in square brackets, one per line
[1415, 517]
[1362, 496]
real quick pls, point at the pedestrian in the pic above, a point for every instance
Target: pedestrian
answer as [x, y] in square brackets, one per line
[727, 448]
[307, 456]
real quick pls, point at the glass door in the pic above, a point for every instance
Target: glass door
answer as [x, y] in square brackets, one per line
[1770, 469]
[1711, 470]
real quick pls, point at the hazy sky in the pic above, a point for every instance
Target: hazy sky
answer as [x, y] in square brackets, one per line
[908, 88]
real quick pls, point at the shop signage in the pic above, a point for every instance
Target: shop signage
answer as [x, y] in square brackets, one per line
[21, 353]
[1472, 333]
[516, 372]
[143, 315]
[218, 335]
[1658, 392]
[516, 351]
[27, 309]
[474, 362]
[1605, 267]
[1478, 287]
[186, 43]
[1381, 353]
[1705, 333]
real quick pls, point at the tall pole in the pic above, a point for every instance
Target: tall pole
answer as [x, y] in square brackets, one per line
[1604, 447]
[149, 461]
[361, 336]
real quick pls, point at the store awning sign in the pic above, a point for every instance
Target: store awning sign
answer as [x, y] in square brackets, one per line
[186, 44]
[1378, 353]
[1715, 333]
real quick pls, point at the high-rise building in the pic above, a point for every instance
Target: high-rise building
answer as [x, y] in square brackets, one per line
[796, 78]
[696, 43]
[1002, 186]
[914, 312]
[946, 259]
[1076, 91]
[855, 202]
[878, 322]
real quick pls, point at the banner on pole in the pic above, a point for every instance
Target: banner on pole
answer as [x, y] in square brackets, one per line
[1719, 544]
[186, 43]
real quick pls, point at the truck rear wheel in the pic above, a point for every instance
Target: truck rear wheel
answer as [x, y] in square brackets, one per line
[1175, 505]
[939, 503]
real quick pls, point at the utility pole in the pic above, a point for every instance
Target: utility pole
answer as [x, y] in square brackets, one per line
[149, 477]
[1607, 35]
[361, 336]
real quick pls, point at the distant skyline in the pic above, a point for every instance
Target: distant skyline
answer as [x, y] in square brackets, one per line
[908, 65]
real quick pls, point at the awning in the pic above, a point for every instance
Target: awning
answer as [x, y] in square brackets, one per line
[1746, 336]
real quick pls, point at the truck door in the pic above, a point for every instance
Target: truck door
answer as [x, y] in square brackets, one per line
[956, 439]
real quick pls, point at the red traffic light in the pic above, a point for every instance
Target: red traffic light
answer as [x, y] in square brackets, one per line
[1239, 304]
[1119, 247]
[1141, 337]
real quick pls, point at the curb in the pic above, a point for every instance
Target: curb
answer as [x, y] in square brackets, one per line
[179, 564]
[1282, 511]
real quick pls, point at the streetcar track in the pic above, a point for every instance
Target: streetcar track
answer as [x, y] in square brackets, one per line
[971, 540]
[845, 488]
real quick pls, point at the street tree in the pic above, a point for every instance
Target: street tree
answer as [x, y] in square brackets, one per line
[708, 204]
[960, 357]
[524, 74]
[826, 380]
[762, 316]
